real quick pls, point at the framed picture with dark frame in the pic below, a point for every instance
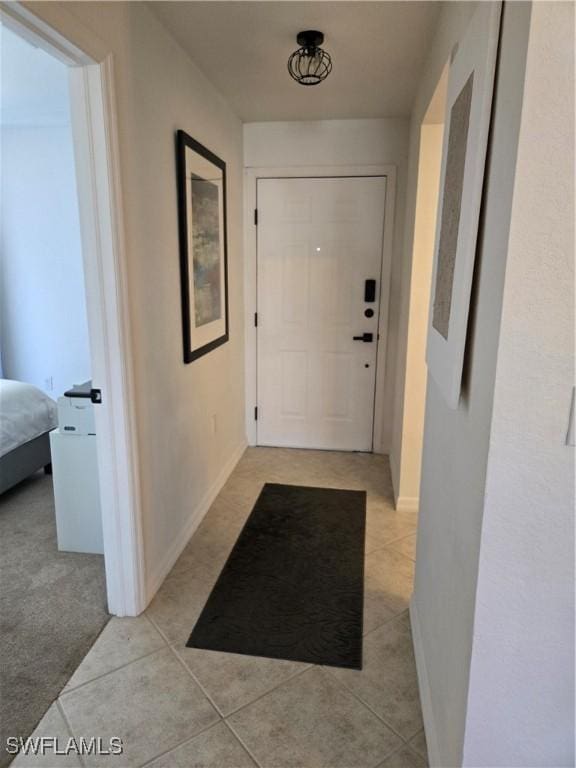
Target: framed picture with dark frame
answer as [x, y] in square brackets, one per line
[201, 179]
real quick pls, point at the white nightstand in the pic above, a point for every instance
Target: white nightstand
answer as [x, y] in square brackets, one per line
[76, 492]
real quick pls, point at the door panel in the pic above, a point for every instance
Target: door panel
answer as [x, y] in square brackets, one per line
[319, 240]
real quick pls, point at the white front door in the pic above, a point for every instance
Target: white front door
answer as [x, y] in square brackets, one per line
[319, 258]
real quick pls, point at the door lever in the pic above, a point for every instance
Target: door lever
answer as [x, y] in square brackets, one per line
[366, 337]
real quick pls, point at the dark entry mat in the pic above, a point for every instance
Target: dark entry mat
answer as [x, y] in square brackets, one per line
[293, 585]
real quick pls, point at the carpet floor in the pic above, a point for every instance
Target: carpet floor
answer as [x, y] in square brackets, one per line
[52, 608]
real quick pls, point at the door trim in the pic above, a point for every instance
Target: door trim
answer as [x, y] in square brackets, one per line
[94, 124]
[251, 176]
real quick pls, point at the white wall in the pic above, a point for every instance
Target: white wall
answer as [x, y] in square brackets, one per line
[409, 372]
[341, 143]
[183, 459]
[429, 166]
[325, 142]
[521, 693]
[43, 328]
[456, 442]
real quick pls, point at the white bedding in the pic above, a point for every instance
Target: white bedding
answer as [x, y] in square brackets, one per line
[25, 413]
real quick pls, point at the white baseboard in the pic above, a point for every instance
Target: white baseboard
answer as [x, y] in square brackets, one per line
[425, 691]
[407, 503]
[401, 503]
[183, 537]
[393, 475]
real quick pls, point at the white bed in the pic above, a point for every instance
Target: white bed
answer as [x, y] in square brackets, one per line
[27, 415]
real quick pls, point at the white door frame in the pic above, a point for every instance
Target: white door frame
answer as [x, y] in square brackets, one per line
[100, 203]
[251, 176]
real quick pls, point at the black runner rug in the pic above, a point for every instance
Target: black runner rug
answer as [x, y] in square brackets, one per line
[292, 587]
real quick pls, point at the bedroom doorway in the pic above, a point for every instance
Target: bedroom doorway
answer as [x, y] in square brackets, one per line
[95, 150]
[69, 511]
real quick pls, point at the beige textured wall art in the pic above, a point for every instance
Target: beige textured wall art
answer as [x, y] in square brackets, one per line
[451, 204]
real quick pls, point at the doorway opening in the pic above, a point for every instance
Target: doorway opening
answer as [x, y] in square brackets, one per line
[69, 503]
[431, 134]
[95, 137]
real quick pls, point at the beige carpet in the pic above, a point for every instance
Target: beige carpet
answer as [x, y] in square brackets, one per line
[52, 607]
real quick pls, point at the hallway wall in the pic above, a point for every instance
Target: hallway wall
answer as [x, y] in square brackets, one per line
[407, 428]
[522, 674]
[190, 418]
[456, 442]
[340, 143]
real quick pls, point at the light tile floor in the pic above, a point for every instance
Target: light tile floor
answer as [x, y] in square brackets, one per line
[178, 707]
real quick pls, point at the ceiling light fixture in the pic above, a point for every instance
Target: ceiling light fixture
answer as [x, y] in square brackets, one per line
[310, 64]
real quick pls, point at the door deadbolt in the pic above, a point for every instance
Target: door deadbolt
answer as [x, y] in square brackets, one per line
[369, 291]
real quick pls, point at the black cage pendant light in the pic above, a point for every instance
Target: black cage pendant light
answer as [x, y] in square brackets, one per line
[310, 64]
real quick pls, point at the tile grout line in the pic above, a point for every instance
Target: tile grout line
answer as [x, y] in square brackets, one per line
[396, 752]
[62, 711]
[275, 688]
[172, 647]
[252, 701]
[416, 752]
[240, 741]
[183, 743]
[389, 607]
[391, 548]
[418, 755]
[144, 614]
[365, 704]
[162, 634]
[66, 692]
[211, 701]
[197, 682]
[387, 621]
[368, 706]
[389, 544]
[400, 538]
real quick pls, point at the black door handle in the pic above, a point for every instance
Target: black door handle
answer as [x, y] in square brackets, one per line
[366, 337]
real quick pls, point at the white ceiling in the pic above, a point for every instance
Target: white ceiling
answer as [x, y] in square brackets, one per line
[377, 48]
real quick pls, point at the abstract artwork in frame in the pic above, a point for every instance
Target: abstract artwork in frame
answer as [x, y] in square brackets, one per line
[203, 249]
[466, 130]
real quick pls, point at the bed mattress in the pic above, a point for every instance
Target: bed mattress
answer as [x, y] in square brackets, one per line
[25, 413]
